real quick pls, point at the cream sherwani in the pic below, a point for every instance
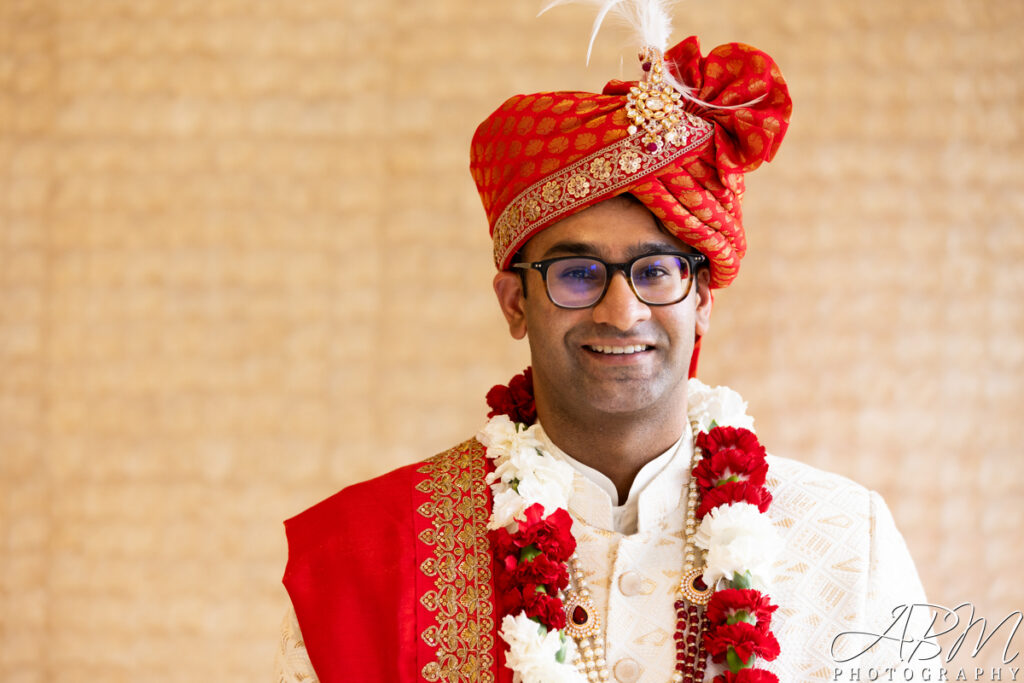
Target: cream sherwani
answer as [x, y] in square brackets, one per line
[843, 567]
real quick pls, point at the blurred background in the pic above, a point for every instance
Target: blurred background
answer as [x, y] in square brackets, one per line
[243, 264]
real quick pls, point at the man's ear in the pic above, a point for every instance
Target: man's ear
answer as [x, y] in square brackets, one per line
[702, 281]
[509, 288]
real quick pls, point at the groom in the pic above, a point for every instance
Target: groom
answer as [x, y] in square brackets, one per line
[613, 217]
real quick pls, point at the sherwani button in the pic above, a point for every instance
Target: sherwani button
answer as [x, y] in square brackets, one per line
[627, 671]
[631, 583]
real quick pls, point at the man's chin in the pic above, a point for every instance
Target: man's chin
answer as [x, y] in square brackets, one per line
[613, 394]
[622, 398]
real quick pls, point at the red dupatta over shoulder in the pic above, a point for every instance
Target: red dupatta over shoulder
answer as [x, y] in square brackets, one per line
[392, 579]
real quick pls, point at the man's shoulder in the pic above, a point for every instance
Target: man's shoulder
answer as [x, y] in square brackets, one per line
[799, 489]
[387, 497]
[360, 561]
[787, 470]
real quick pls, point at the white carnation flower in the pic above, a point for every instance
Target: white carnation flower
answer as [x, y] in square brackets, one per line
[508, 506]
[501, 436]
[721, 405]
[532, 655]
[549, 483]
[738, 538]
[508, 466]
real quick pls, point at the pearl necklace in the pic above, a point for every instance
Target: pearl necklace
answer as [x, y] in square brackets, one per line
[583, 623]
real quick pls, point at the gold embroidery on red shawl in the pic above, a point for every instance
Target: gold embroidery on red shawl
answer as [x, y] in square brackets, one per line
[461, 566]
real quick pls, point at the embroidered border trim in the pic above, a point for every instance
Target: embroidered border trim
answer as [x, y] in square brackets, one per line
[460, 566]
[597, 174]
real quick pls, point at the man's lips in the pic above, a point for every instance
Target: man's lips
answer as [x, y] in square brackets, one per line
[618, 349]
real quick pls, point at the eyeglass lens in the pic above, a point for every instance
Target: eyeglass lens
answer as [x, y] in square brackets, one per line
[580, 282]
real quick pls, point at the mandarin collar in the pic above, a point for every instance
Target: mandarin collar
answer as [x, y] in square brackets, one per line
[655, 492]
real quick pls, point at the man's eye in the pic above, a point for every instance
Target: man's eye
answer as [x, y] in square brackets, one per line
[578, 274]
[653, 273]
[577, 271]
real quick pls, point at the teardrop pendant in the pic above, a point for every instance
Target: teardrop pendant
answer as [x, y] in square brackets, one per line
[581, 617]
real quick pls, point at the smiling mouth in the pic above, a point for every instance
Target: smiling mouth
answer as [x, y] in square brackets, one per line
[618, 350]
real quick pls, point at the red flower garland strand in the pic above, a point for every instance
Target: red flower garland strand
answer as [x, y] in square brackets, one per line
[733, 470]
[532, 565]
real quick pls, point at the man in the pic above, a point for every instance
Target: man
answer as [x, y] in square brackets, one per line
[590, 553]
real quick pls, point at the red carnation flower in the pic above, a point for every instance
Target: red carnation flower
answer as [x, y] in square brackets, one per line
[510, 599]
[533, 599]
[541, 570]
[722, 438]
[730, 464]
[731, 602]
[503, 543]
[547, 609]
[514, 400]
[744, 639]
[552, 534]
[734, 492]
[505, 548]
[746, 676]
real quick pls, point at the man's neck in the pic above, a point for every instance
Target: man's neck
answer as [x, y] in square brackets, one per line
[616, 446]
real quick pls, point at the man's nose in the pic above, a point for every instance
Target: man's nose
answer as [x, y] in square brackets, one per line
[620, 307]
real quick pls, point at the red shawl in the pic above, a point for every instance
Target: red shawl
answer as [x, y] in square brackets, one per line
[391, 579]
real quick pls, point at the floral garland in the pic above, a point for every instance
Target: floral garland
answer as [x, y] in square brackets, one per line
[532, 536]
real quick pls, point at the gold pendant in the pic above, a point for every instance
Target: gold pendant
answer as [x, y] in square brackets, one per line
[581, 617]
[693, 589]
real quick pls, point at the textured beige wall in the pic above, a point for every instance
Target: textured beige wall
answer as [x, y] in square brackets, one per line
[242, 264]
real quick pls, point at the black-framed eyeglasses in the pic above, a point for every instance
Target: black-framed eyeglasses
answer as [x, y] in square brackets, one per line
[581, 281]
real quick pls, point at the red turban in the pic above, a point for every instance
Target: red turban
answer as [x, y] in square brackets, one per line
[539, 158]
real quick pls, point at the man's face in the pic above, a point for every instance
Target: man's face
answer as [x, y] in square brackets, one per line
[579, 367]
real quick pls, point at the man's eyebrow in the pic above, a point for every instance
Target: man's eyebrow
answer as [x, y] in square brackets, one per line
[654, 247]
[570, 248]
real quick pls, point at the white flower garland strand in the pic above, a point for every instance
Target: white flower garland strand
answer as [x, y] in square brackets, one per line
[523, 473]
[737, 537]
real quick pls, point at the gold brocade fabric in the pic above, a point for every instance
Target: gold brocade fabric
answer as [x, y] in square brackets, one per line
[458, 566]
[291, 662]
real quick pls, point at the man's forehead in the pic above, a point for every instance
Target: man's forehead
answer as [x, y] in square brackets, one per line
[620, 227]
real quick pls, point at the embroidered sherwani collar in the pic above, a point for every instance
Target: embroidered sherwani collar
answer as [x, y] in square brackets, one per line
[654, 494]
